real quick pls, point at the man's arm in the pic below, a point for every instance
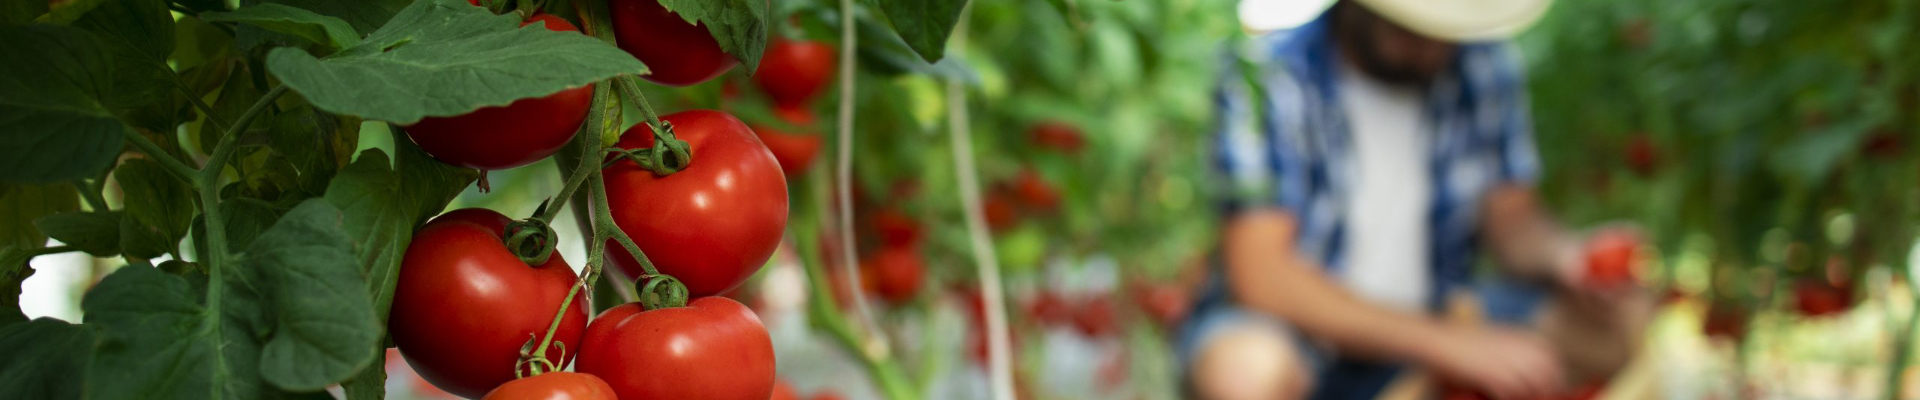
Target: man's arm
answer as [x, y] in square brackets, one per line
[1525, 238]
[1266, 275]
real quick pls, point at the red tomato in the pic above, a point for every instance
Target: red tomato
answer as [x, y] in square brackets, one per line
[1165, 303]
[1610, 258]
[896, 228]
[464, 305]
[508, 136]
[1096, 317]
[1817, 298]
[1883, 144]
[793, 71]
[1034, 192]
[1049, 309]
[554, 386]
[712, 224]
[714, 349]
[795, 150]
[998, 211]
[678, 53]
[897, 273]
[1056, 135]
[1642, 157]
[781, 391]
[1725, 320]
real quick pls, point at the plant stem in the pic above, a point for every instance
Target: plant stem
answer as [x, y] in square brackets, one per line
[843, 171]
[631, 88]
[167, 161]
[216, 256]
[51, 250]
[201, 104]
[823, 313]
[999, 344]
[92, 194]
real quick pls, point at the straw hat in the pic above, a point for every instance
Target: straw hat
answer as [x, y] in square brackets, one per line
[1461, 20]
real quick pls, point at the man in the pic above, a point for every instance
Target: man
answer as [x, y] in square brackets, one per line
[1370, 153]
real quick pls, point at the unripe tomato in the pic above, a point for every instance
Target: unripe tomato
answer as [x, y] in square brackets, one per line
[712, 349]
[713, 223]
[464, 305]
[558, 385]
[1610, 257]
[793, 71]
[795, 150]
[678, 53]
[897, 273]
[517, 134]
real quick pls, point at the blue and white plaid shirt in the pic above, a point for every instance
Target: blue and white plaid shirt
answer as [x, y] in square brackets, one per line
[1287, 143]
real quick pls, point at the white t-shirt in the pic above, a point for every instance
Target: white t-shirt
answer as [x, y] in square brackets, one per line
[1387, 245]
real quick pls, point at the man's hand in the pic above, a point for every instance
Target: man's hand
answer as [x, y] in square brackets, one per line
[1503, 363]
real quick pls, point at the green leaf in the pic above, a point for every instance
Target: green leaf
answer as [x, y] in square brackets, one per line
[21, 204]
[44, 359]
[305, 272]
[97, 233]
[363, 15]
[153, 342]
[14, 271]
[159, 207]
[924, 24]
[236, 97]
[245, 219]
[51, 115]
[740, 26]
[65, 12]
[315, 143]
[370, 383]
[383, 206]
[445, 57]
[21, 11]
[324, 30]
[138, 35]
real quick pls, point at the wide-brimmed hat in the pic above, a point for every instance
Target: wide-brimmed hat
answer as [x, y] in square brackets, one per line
[1461, 20]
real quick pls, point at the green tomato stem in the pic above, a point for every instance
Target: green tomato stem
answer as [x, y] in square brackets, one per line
[173, 165]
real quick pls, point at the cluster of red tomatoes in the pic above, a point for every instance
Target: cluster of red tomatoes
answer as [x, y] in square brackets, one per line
[467, 311]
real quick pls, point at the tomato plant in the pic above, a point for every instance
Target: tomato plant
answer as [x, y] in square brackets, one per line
[713, 348]
[558, 385]
[711, 224]
[465, 306]
[792, 72]
[513, 135]
[679, 53]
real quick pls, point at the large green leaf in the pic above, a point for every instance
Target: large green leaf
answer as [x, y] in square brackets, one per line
[363, 15]
[245, 219]
[445, 57]
[384, 204]
[138, 34]
[293, 315]
[334, 33]
[50, 111]
[304, 272]
[44, 359]
[159, 207]
[21, 204]
[739, 25]
[924, 24]
[97, 233]
[13, 12]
